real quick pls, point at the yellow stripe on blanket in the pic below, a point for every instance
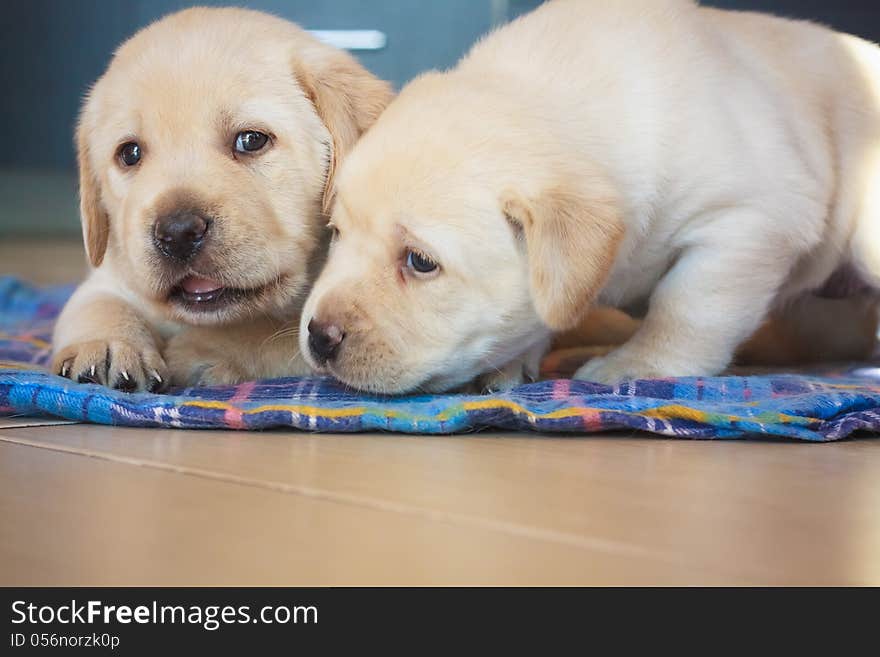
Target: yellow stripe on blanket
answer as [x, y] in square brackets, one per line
[36, 342]
[290, 408]
[488, 404]
[18, 365]
[679, 412]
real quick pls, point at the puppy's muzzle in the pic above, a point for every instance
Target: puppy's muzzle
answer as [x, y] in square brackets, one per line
[180, 235]
[325, 339]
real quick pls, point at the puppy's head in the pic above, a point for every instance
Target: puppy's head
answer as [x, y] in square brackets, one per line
[206, 152]
[457, 247]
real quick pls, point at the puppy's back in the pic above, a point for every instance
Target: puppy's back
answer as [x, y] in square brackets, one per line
[683, 76]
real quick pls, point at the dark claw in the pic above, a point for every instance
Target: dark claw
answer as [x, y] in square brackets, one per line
[155, 384]
[89, 377]
[125, 383]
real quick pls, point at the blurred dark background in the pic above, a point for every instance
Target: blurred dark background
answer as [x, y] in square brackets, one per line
[53, 49]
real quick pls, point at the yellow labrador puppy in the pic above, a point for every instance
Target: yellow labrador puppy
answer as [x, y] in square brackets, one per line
[205, 152]
[696, 166]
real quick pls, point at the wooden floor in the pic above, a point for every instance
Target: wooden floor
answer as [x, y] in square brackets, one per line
[95, 505]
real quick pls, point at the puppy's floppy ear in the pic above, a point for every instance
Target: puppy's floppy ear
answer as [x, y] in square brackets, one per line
[95, 221]
[571, 242]
[347, 98]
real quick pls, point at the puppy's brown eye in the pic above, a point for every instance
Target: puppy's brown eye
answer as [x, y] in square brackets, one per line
[420, 263]
[250, 141]
[130, 153]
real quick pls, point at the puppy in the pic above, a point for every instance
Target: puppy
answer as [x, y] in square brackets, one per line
[694, 166]
[205, 152]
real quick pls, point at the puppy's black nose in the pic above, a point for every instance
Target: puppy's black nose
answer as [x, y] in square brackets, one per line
[324, 340]
[180, 235]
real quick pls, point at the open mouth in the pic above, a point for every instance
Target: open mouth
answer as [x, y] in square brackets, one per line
[199, 294]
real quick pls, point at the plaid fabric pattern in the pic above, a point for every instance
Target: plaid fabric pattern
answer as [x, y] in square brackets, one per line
[814, 408]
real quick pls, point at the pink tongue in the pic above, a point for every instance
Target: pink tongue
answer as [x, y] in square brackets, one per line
[196, 285]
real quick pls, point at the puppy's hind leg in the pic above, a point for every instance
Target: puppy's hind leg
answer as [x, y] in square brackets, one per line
[709, 302]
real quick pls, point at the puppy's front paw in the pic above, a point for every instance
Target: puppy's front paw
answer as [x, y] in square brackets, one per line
[624, 365]
[197, 359]
[525, 369]
[113, 363]
[501, 380]
[198, 373]
[518, 371]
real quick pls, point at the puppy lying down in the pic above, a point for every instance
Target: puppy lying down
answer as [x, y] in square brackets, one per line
[698, 167]
[204, 154]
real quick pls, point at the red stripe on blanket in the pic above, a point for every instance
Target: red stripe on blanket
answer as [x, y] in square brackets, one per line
[561, 389]
[591, 418]
[233, 416]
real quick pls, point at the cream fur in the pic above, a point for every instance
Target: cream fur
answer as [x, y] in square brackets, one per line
[697, 166]
[183, 87]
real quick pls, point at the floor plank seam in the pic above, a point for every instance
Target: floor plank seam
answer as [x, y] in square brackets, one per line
[446, 517]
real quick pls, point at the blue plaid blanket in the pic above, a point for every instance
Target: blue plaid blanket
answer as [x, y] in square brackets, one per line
[814, 408]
